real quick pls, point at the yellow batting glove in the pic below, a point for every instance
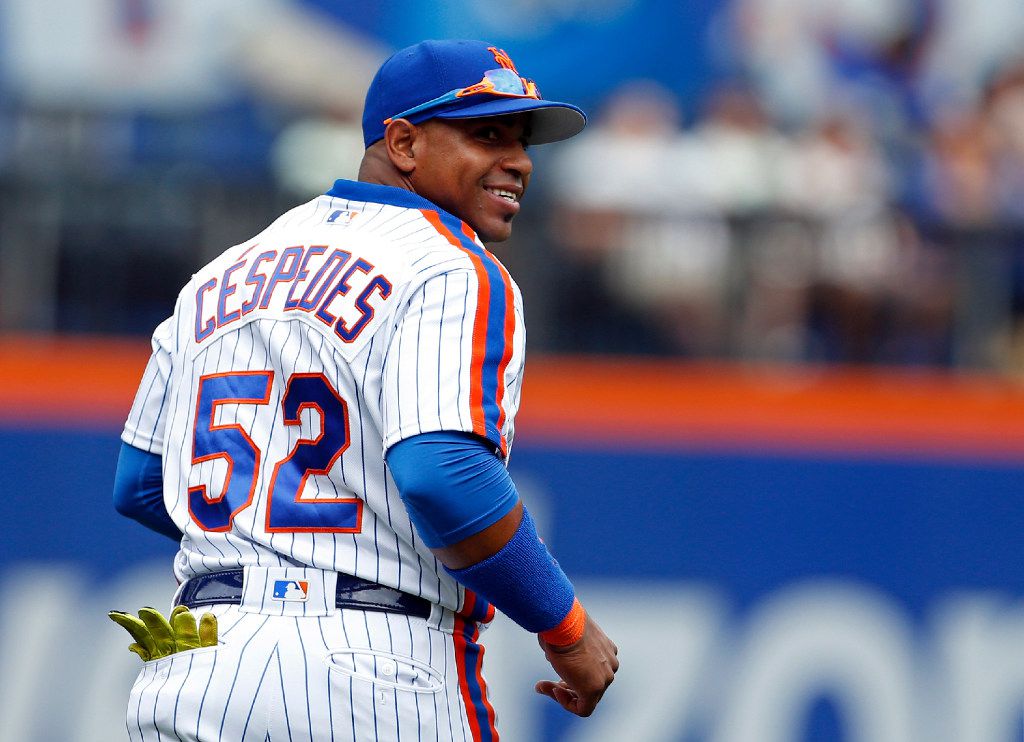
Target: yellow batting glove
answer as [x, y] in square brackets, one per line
[187, 635]
[156, 637]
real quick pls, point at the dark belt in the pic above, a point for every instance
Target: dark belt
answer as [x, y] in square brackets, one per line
[226, 587]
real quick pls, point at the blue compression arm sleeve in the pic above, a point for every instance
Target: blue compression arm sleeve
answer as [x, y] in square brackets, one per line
[452, 484]
[139, 491]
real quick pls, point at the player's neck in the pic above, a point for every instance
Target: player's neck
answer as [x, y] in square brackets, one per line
[377, 169]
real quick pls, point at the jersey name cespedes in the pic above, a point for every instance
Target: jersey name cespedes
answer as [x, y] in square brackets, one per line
[314, 279]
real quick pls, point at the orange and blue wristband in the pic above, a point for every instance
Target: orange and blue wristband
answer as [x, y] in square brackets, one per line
[570, 629]
[525, 583]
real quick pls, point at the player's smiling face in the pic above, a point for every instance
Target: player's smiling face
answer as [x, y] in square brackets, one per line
[476, 169]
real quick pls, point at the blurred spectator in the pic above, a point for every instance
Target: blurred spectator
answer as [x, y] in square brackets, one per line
[1004, 106]
[834, 168]
[637, 217]
[970, 41]
[143, 129]
[181, 55]
[922, 313]
[312, 153]
[836, 179]
[873, 299]
[779, 254]
[971, 190]
[959, 184]
[744, 153]
[802, 54]
[644, 163]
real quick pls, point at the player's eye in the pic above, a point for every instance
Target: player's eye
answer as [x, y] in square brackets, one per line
[489, 133]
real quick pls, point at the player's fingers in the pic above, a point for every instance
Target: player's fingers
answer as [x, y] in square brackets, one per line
[547, 687]
[208, 630]
[564, 696]
[572, 702]
[567, 697]
[581, 704]
[544, 687]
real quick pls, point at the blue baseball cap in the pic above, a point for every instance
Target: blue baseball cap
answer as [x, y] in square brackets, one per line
[459, 79]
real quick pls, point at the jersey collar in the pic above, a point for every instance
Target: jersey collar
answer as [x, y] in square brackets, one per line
[352, 190]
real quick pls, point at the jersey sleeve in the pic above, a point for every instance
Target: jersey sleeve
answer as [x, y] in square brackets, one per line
[455, 358]
[147, 419]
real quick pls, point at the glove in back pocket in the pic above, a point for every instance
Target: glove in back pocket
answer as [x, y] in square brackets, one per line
[184, 654]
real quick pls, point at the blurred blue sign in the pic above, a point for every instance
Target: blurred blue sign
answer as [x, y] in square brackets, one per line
[795, 598]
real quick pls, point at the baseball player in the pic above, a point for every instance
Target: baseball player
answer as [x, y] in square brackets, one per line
[324, 425]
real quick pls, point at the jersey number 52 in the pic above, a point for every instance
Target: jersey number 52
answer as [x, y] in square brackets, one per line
[287, 511]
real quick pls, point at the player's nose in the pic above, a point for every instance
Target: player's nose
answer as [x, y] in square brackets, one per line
[517, 161]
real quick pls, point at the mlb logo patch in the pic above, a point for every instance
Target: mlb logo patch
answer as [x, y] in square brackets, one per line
[342, 216]
[291, 590]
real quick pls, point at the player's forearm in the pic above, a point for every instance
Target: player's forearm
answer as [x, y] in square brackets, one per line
[466, 509]
[525, 582]
[480, 546]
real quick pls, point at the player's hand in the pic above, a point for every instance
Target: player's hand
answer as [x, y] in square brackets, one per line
[156, 637]
[586, 669]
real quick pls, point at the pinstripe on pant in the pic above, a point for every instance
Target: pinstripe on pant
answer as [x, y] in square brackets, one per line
[354, 675]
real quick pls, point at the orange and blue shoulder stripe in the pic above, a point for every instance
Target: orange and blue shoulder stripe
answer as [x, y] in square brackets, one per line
[493, 328]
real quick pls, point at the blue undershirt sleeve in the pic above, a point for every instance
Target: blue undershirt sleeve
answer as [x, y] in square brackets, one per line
[452, 484]
[139, 491]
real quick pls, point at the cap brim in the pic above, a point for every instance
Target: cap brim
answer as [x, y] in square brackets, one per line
[551, 121]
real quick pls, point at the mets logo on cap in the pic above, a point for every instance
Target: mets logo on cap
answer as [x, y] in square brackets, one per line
[503, 59]
[291, 590]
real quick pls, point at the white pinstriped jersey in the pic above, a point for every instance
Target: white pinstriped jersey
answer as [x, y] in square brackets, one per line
[294, 360]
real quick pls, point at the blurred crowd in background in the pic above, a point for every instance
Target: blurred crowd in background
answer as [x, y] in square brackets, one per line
[853, 195]
[845, 185]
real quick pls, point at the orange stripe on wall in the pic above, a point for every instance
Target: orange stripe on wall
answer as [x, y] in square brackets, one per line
[69, 381]
[653, 404]
[89, 381]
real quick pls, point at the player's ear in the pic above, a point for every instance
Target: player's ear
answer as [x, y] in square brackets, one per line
[399, 140]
